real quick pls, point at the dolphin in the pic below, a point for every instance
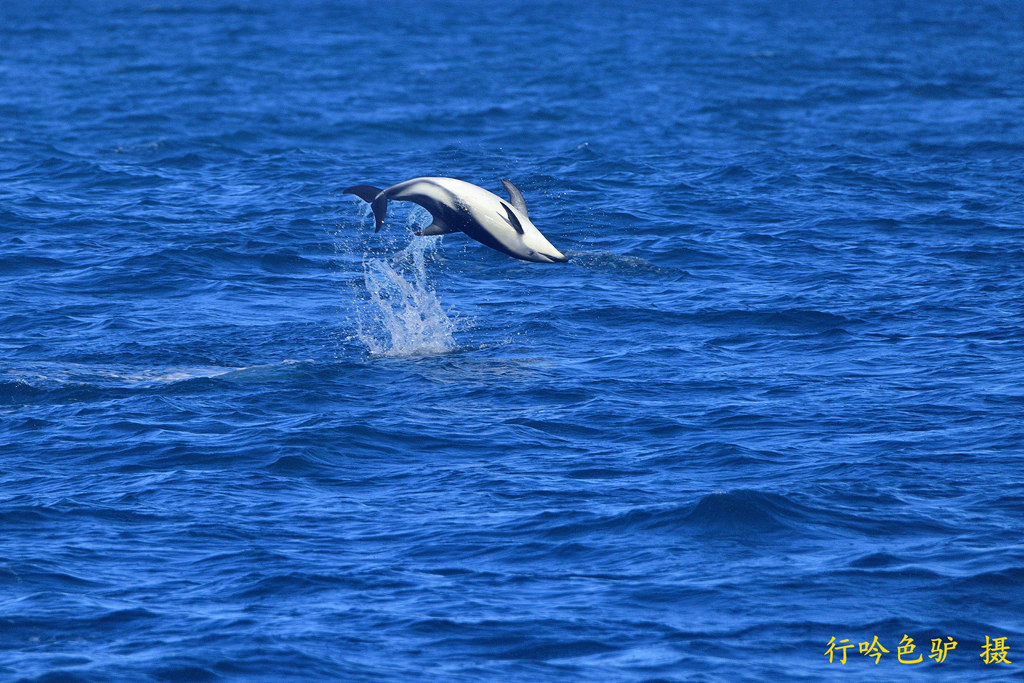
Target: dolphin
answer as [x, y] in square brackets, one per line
[458, 206]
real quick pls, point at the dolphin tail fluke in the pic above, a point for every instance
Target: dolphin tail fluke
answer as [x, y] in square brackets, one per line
[365, 192]
[380, 209]
[376, 199]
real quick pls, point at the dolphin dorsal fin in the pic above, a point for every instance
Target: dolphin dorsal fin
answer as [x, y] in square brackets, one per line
[515, 195]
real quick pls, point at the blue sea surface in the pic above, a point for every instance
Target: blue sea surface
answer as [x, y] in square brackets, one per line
[776, 397]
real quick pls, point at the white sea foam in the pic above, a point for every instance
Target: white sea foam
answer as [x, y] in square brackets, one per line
[43, 374]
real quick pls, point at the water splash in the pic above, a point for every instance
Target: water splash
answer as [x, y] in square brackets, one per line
[401, 314]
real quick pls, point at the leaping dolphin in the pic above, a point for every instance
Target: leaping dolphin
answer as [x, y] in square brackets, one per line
[458, 206]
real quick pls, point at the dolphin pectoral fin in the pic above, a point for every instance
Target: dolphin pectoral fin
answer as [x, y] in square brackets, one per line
[512, 219]
[515, 196]
[434, 229]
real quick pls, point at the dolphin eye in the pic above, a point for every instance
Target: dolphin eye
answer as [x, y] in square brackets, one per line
[512, 220]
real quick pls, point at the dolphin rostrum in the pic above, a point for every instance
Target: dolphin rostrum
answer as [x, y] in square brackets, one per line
[458, 206]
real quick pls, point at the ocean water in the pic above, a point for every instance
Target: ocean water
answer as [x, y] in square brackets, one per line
[775, 398]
